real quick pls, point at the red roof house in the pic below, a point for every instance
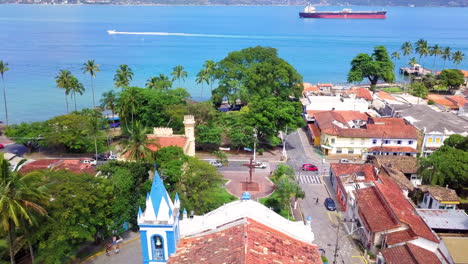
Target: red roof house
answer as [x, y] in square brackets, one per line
[245, 241]
[363, 93]
[409, 254]
[387, 214]
[344, 177]
[73, 165]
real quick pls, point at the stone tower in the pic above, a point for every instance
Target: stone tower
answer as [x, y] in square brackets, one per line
[159, 224]
[189, 123]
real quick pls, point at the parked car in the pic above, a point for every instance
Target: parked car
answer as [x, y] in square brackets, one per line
[100, 157]
[112, 157]
[216, 163]
[330, 204]
[2, 146]
[344, 161]
[309, 167]
[259, 165]
[90, 161]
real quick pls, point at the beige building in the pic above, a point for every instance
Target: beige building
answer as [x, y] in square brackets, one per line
[165, 137]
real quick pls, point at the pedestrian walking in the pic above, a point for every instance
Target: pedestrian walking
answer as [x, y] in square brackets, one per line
[107, 250]
[117, 249]
[316, 201]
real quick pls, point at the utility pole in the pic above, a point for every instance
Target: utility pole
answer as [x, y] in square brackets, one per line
[283, 140]
[255, 144]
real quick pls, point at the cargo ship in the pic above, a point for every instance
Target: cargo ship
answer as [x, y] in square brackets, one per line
[310, 12]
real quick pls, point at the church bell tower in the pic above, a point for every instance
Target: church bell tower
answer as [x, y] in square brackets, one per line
[159, 224]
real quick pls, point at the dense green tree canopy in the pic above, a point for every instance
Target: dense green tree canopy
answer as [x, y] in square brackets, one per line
[375, 67]
[448, 164]
[198, 183]
[452, 78]
[72, 132]
[80, 209]
[272, 115]
[256, 71]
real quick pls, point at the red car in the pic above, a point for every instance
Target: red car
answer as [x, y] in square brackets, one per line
[309, 167]
[1, 146]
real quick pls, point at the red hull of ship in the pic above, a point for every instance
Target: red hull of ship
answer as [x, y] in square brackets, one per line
[351, 16]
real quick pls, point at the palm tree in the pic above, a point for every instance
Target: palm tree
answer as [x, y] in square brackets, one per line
[407, 48]
[422, 48]
[123, 76]
[178, 73]
[91, 68]
[458, 57]
[136, 146]
[63, 80]
[210, 67]
[129, 102]
[163, 82]
[202, 76]
[413, 62]
[4, 68]
[108, 101]
[395, 56]
[152, 83]
[20, 198]
[435, 51]
[76, 87]
[446, 55]
[93, 129]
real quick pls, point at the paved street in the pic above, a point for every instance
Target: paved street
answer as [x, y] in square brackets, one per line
[314, 184]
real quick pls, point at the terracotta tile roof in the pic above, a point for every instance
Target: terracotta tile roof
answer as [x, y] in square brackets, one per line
[439, 99]
[373, 210]
[405, 164]
[38, 165]
[363, 93]
[324, 85]
[403, 209]
[458, 100]
[310, 88]
[465, 73]
[73, 165]
[441, 193]
[342, 169]
[409, 254]
[375, 128]
[248, 241]
[161, 142]
[392, 149]
[386, 96]
[397, 176]
[400, 237]
[314, 130]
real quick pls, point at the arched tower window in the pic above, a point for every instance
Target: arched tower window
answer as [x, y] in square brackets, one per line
[158, 247]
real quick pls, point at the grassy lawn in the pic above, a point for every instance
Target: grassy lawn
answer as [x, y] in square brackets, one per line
[283, 212]
[392, 90]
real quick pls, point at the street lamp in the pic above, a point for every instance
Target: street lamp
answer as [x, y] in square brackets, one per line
[255, 143]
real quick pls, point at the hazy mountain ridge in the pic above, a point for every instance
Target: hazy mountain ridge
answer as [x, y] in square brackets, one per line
[253, 2]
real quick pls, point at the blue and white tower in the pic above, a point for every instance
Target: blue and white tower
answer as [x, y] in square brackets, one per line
[159, 224]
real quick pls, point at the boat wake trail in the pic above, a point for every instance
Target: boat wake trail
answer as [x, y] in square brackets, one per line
[113, 32]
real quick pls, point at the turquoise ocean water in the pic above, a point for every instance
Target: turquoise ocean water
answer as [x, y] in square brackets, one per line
[38, 40]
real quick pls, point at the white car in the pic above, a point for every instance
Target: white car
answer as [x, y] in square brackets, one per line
[112, 157]
[259, 165]
[92, 162]
[216, 163]
[344, 161]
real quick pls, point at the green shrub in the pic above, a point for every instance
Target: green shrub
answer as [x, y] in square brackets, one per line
[260, 151]
[430, 102]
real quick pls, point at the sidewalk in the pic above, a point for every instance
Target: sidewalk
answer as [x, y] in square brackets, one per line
[130, 251]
